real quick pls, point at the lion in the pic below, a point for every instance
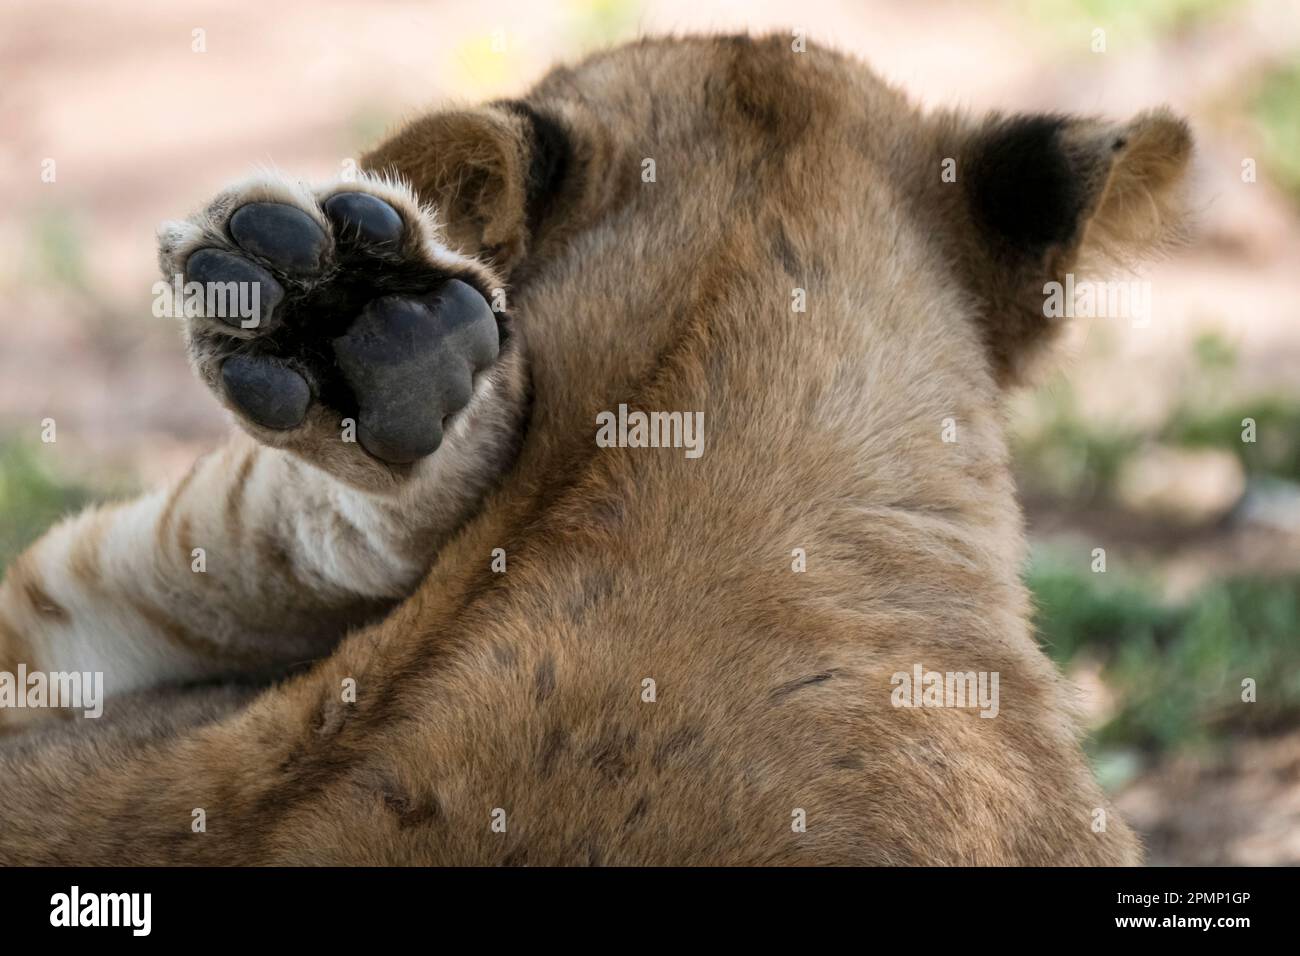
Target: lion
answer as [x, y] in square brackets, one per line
[415, 613]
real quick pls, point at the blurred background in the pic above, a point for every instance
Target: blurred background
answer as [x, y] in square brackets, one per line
[113, 119]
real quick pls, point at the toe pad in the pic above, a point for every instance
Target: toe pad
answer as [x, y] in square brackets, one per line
[283, 235]
[268, 393]
[362, 216]
[216, 266]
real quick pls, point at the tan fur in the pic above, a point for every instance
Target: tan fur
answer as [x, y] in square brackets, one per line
[523, 692]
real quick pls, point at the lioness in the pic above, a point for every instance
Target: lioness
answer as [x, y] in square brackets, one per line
[535, 647]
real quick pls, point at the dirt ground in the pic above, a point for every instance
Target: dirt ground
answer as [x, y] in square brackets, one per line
[1237, 808]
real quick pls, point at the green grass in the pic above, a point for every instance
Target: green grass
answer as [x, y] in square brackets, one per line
[599, 23]
[1071, 457]
[56, 248]
[31, 498]
[1274, 107]
[1068, 456]
[1176, 670]
[1132, 21]
[1276, 449]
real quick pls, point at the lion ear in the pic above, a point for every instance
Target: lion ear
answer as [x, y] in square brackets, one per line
[1048, 189]
[1143, 207]
[489, 172]
[1042, 197]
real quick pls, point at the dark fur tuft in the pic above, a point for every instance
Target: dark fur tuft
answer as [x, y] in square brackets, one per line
[1021, 187]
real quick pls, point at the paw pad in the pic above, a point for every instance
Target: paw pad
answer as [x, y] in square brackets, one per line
[268, 393]
[410, 363]
[283, 235]
[362, 216]
[217, 266]
[362, 324]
